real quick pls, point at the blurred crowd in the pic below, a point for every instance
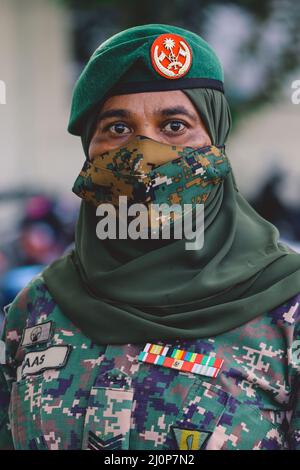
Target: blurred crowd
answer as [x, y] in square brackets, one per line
[270, 205]
[44, 231]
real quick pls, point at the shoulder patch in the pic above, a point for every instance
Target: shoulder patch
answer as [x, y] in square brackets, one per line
[37, 334]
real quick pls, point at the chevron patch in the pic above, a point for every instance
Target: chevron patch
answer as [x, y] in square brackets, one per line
[96, 443]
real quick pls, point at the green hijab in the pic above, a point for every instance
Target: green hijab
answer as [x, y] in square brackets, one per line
[137, 291]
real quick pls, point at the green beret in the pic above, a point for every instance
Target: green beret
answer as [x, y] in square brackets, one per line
[153, 57]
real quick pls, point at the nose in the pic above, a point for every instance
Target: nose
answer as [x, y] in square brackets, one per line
[155, 138]
[146, 131]
[142, 136]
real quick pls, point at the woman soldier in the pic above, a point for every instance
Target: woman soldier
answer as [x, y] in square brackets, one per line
[141, 343]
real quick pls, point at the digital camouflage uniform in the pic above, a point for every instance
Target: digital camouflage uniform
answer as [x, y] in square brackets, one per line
[103, 397]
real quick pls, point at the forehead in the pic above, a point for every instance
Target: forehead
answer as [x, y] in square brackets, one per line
[150, 100]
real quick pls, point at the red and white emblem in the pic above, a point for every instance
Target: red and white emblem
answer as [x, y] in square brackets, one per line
[171, 56]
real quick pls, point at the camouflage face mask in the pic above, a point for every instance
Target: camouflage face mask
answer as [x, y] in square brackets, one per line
[154, 174]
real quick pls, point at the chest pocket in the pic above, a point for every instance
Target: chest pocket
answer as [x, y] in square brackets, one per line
[34, 402]
[108, 414]
[49, 397]
[24, 414]
[200, 413]
[213, 419]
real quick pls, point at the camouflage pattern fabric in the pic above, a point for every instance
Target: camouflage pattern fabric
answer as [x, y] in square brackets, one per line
[146, 171]
[59, 390]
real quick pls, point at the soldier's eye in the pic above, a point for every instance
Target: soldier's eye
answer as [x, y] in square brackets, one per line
[118, 128]
[173, 127]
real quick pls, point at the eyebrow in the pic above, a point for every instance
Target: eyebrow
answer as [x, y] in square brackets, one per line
[124, 113]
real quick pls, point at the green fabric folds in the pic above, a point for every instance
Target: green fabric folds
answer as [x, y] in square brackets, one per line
[133, 291]
[125, 59]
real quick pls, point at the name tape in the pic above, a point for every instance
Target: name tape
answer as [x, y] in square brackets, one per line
[36, 362]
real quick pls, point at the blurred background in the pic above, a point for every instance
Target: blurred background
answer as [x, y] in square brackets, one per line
[44, 44]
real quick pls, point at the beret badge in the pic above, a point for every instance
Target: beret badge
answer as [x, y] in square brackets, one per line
[171, 56]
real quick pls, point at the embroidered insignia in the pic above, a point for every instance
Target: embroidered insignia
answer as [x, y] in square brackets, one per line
[190, 440]
[34, 362]
[96, 443]
[179, 359]
[37, 334]
[171, 56]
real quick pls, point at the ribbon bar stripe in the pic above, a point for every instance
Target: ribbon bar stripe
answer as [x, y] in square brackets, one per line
[203, 359]
[181, 360]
